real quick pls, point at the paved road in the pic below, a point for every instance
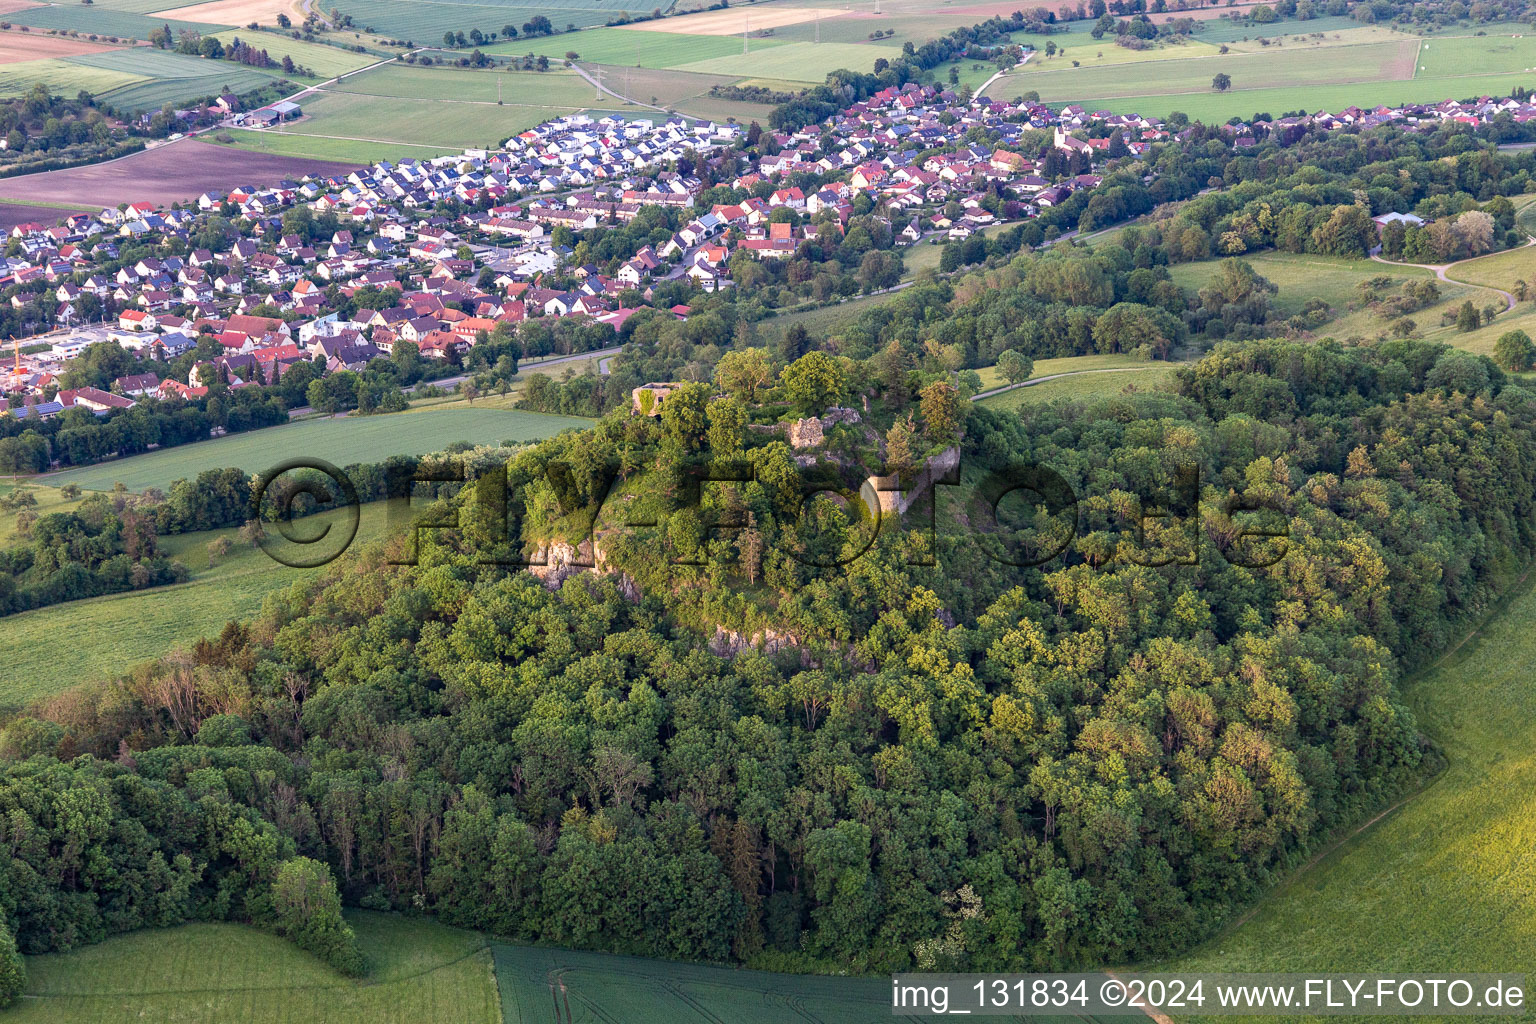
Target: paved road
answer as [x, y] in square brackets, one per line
[1441, 268]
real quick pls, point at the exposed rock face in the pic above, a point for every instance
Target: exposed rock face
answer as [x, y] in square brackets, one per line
[561, 559]
[806, 433]
[942, 466]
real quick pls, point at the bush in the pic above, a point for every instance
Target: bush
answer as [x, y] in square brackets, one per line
[307, 911]
[13, 973]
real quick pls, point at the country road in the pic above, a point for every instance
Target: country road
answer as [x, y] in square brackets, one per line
[1057, 376]
[448, 382]
[1441, 268]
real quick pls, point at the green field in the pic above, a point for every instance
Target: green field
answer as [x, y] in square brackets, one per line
[553, 88]
[1444, 56]
[445, 124]
[110, 635]
[1286, 68]
[797, 62]
[424, 23]
[632, 48]
[352, 439]
[1501, 270]
[625, 989]
[62, 77]
[102, 20]
[1084, 387]
[419, 971]
[990, 378]
[1304, 276]
[1447, 881]
[345, 150]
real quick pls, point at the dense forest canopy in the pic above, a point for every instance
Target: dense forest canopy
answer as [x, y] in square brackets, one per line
[930, 757]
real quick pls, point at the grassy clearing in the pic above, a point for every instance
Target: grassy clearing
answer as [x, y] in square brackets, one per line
[351, 439]
[1302, 277]
[1446, 879]
[1084, 387]
[991, 378]
[1501, 270]
[418, 971]
[48, 500]
[597, 987]
[107, 636]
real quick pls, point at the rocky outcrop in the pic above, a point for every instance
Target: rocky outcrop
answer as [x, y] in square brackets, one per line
[944, 466]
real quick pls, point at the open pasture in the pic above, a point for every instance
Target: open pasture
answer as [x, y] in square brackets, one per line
[112, 634]
[600, 987]
[1089, 386]
[338, 441]
[1269, 69]
[1455, 55]
[1417, 894]
[228, 974]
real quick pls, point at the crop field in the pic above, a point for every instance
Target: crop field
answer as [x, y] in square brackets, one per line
[682, 89]
[314, 147]
[229, 12]
[445, 124]
[1418, 895]
[598, 987]
[734, 21]
[62, 77]
[797, 62]
[100, 19]
[418, 971]
[27, 46]
[165, 174]
[632, 49]
[424, 23]
[338, 441]
[553, 88]
[1093, 385]
[110, 635]
[325, 61]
